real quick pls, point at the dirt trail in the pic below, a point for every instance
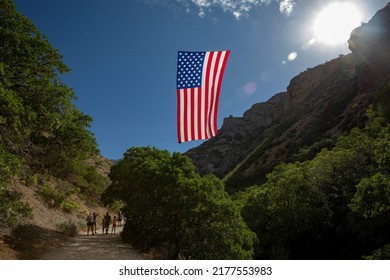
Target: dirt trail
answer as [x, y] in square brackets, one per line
[94, 247]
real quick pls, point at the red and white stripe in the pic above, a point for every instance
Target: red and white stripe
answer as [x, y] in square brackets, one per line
[197, 108]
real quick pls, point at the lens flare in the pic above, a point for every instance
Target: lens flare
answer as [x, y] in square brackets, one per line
[292, 56]
[333, 25]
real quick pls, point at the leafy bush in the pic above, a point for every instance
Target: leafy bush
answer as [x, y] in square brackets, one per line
[380, 254]
[52, 195]
[117, 205]
[68, 228]
[9, 166]
[89, 181]
[372, 198]
[286, 211]
[70, 206]
[12, 209]
[172, 208]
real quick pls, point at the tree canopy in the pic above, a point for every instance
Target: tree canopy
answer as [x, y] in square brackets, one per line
[334, 206]
[172, 208]
[41, 130]
[38, 121]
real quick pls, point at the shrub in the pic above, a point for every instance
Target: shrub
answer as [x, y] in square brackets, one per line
[51, 195]
[68, 228]
[12, 209]
[70, 206]
[9, 166]
[380, 254]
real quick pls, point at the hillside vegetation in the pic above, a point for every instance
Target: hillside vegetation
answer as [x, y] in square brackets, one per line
[313, 182]
[45, 142]
[334, 206]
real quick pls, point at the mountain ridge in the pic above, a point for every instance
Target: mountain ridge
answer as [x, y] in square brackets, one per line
[320, 103]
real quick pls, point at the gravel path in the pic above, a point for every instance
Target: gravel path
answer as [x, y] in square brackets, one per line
[94, 247]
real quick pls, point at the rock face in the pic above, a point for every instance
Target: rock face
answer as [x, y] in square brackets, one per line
[370, 44]
[321, 102]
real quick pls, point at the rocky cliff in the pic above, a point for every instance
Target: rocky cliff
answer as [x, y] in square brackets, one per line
[320, 103]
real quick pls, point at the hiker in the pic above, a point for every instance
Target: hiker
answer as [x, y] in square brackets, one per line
[89, 220]
[106, 223]
[119, 218]
[113, 229]
[94, 222]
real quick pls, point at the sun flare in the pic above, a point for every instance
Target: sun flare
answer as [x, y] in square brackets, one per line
[333, 25]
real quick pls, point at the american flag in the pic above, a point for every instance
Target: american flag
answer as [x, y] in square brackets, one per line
[199, 79]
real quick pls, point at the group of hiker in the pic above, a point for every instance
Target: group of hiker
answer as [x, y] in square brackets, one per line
[106, 222]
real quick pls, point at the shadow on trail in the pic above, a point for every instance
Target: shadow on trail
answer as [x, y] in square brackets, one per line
[94, 247]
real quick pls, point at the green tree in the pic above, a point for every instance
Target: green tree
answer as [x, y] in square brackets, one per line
[345, 189]
[170, 207]
[372, 198]
[41, 130]
[38, 121]
[9, 167]
[288, 214]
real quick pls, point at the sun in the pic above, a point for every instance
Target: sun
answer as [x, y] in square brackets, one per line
[333, 25]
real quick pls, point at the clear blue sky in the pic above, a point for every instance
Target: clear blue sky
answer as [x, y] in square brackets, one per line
[123, 57]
